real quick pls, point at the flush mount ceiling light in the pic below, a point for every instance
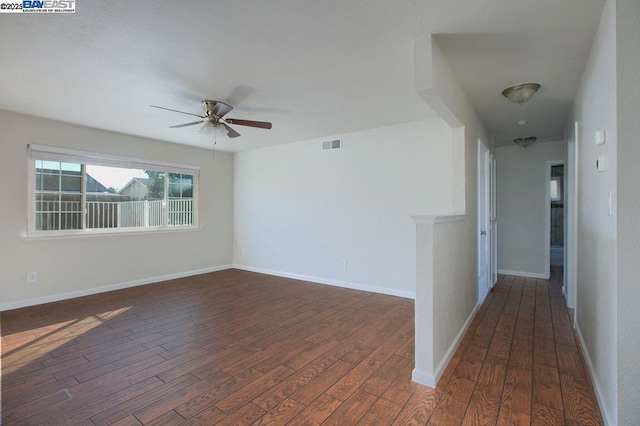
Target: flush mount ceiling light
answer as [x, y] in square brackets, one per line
[520, 93]
[525, 142]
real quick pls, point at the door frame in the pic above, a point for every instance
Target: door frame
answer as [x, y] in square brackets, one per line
[570, 282]
[493, 224]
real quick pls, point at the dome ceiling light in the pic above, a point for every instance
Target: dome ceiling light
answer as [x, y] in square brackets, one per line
[520, 93]
[525, 142]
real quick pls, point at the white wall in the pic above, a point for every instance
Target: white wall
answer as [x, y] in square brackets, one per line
[628, 206]
[521, 182]
[300, 211]
[72, 266]
[595, 109]
[447, 301]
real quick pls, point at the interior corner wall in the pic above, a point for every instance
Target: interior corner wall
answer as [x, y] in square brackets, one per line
[69, 266]
[342, 216]
[521, 205]
[597, 281]
[628, 206]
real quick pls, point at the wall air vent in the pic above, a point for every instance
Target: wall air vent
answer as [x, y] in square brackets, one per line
[332, 144]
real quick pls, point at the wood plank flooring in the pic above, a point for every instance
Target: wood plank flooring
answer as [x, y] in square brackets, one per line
[235, 347]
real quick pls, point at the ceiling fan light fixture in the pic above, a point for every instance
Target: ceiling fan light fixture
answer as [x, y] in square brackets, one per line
[520, 93]
[210, 129]
[525, 142]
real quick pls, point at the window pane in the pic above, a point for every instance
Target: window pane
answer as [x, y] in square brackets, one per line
[71, 167]
[124, 198]
[71, 183]
[554, 190]
[180, 201]
[58, 198]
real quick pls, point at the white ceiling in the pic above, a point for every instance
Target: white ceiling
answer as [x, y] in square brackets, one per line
[313, 68]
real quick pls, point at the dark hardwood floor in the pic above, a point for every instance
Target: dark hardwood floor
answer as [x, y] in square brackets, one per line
[235, 347]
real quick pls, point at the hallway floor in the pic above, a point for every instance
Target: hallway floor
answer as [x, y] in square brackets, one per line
[519, 363]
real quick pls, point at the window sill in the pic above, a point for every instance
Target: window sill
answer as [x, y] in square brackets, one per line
[52, 235]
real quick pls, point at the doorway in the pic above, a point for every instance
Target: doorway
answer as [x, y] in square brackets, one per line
[556, 190]
[554, 220]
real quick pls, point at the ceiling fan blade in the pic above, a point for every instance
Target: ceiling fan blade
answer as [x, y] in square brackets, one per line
[193, 123]
[250, 123]
[230, 132]
[221, 109]
[175, 110]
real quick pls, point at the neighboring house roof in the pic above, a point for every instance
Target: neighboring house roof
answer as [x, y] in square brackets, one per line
[94, 186]
[142, 181]
[50, 182]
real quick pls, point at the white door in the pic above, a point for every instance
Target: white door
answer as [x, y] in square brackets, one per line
[493, 228]
[484, 213]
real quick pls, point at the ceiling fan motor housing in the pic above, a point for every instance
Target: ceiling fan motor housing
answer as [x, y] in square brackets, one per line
[211, 110]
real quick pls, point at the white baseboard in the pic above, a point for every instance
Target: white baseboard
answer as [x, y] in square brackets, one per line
[523, 274]
[431, 380]
[104, 289]
[442, 365]
[423, 377]
[596, 384]
[336, 283]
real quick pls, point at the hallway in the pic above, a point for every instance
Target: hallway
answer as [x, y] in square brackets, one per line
[519, 362]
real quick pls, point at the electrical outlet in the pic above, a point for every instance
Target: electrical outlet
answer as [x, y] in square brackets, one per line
[32, 277]
[343, 263]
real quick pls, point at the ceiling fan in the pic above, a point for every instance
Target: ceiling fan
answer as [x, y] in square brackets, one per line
[212, 121]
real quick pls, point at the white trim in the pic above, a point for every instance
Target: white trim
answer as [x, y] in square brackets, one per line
[106, 288]
[423, 377]
[336, 283]
[594, 379]
[105, 232]
[431, 380]
[428, 219]
[523, 274]
[442, 365]
[494, 223]
[571, 220]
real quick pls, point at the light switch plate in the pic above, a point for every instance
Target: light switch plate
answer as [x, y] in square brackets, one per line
[601, 163]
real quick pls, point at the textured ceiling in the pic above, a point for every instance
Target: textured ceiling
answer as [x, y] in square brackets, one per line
[313, 68]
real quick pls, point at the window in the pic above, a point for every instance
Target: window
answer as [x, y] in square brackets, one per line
[555, 190]
[73, 192]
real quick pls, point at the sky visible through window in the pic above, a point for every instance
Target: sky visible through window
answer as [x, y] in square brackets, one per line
[110, 177]
[114, 177]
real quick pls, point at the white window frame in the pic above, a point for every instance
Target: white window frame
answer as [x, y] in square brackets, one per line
[48, 153]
